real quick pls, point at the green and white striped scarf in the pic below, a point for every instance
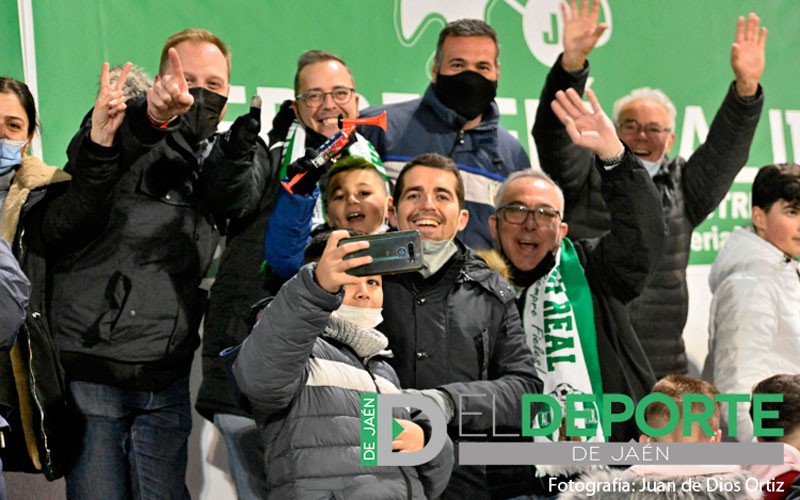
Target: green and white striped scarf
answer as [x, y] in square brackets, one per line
[558, 318]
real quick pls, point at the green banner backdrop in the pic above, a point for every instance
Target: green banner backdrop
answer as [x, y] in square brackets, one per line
[680, 46]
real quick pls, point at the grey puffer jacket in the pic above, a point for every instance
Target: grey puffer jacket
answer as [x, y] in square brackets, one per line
[689, 189]
[632, 486]
[305, 386]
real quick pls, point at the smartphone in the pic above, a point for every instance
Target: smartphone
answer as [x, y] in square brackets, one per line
[393, 252]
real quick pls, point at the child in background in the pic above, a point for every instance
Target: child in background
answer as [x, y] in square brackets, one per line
[754, 326]
[784, 479]
[664, 480]
[356, 197]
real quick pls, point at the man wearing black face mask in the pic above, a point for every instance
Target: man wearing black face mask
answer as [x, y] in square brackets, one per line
[126, 302]
[457, 117]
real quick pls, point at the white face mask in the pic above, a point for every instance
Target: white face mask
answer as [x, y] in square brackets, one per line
[435, 254]
[651, 166]
[10, 154]
[365, 317]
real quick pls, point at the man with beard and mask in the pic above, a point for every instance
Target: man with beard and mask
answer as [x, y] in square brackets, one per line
[126, 302]
[453, 326]
[571, 294]
[325, 89]
[689, 189]
[457, 117]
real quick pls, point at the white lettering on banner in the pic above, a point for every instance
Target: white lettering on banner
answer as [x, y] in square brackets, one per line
[709, 241]
[236, 96]
[776, 130]
[271, 99]
[776, 134]
[793, 119]
[694, 125]
[531, 106]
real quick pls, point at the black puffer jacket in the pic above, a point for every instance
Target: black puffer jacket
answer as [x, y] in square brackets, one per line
[459, 331]
[689, 191]
[126, 302]
[237, 286]
[305, 389]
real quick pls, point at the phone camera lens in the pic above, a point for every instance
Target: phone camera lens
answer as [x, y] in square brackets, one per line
[411, 255]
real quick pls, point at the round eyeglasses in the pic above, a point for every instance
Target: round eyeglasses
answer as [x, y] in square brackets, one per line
[632, 127]
[518, 214]
[314, 98]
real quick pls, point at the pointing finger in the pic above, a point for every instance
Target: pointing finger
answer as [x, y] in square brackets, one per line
[176, 69]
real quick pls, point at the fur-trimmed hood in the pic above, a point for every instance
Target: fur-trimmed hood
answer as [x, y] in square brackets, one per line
[495, 262]
[31, 174]
[616, 484]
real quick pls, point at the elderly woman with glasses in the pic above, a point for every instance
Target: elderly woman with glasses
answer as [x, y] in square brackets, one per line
[571, 294]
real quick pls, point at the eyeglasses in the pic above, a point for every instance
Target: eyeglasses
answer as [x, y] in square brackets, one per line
[518, 214]
[652, 130]
[314, 98]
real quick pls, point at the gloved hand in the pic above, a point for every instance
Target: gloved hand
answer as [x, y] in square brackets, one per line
[281, 122]
[241, 138]
[308, 182]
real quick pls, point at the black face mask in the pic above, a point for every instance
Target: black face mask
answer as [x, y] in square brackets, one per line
[467, 93]
[200, 122]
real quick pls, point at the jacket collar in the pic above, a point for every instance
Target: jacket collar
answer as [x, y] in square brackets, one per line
[30, 175]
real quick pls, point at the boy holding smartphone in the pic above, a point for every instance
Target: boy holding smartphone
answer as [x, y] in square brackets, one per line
[304, 367]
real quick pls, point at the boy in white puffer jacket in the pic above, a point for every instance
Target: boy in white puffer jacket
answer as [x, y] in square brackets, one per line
[754, 326]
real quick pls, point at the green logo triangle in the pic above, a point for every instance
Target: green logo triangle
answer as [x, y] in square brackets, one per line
[396, 429]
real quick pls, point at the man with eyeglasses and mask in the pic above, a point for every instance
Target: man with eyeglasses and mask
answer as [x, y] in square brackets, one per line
[571, 293]
[457, 117]
[689, 189]
[126, 298]
[324, 90]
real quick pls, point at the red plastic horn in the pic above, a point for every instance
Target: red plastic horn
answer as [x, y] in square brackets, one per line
[378, 121]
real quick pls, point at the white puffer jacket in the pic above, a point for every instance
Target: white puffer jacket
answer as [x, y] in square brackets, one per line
[754, 326]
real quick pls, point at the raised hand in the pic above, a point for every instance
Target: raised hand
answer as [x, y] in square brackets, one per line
[331, 273]
[591, 130]
[747, 54]
[411, 439]
[109, 107]
[169, 96]
[581, 32]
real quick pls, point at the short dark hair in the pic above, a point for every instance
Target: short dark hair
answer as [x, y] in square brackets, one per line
[314, 56]
[779, 181]
[432, 160]
[788, 410]
[348, 164]
[316, 247]
[193, 35]
[23, 93]
[675, 386]
[466, 27]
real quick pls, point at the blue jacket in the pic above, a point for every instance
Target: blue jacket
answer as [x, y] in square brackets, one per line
[486, 154]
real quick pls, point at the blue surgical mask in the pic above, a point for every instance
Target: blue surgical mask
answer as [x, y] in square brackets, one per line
[651, 166]
[10, 154]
